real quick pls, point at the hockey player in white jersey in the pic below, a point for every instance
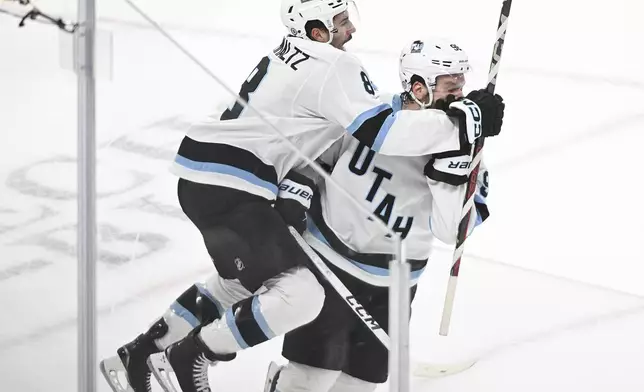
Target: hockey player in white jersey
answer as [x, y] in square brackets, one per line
[237, 186]
[418, 197]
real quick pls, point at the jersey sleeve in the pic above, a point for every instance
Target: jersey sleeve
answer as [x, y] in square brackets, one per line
[447, 207]
[349, 98]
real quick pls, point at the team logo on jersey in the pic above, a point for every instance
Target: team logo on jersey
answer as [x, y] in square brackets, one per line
[417, 46]
[240, 264]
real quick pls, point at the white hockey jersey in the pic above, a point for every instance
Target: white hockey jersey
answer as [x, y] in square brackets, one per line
[396, 189]
[313, 94]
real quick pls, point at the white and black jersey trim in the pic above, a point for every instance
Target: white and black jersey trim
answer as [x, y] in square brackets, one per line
[372, 126]
[228, 160]
[372, 268]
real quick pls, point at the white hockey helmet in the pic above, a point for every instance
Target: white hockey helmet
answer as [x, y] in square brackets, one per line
[429, 59]
[295, 13]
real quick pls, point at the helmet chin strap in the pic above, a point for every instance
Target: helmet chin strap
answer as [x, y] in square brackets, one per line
[331, 32]
[330, 28]
[424, 105]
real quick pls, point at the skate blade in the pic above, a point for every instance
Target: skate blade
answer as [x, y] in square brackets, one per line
[271, 377]
[161, 369]
[435, 370]
[111, 367]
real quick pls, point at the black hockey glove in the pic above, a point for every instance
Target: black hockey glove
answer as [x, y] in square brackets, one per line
[443, 103]
[492, 110]
[294, 200]
[480, 114]
[468, 114]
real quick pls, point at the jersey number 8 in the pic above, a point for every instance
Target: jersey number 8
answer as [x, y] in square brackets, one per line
[248, 87]
[368, 86]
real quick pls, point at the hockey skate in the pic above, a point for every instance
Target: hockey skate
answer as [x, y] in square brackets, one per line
[272, 376]
[128, 371]
[189, 360]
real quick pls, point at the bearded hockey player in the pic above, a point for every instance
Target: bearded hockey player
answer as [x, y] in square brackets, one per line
[420, 198]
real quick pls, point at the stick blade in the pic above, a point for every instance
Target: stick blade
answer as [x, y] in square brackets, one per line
[435, 370]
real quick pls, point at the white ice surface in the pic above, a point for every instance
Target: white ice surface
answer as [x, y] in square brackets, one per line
[550, 295]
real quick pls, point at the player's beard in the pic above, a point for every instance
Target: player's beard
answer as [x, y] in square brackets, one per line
[347, 40]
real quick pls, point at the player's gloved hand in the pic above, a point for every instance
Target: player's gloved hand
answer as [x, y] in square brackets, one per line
[294, 199]
[492, 110]
[443, 103]
[479, 114]
[467, 113]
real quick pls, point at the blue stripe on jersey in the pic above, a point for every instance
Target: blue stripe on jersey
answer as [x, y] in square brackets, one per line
[378, 271]
[225, 169]
[357, 123]
[396, 103]
[384, 130]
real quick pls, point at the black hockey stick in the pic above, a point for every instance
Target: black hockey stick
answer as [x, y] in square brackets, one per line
[468, 204]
